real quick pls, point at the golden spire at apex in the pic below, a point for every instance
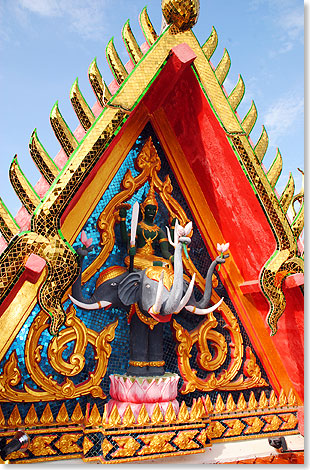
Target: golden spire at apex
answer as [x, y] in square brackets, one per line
[182, 13]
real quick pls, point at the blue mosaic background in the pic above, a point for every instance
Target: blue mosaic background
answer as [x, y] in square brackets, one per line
[98, 319]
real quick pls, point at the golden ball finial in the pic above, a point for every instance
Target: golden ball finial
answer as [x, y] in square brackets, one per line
[181, 13]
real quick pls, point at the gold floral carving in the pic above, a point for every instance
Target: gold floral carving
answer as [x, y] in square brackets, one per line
[215, 430]
[235, 427]
[184, 440]
[290, 421]
[67, 443]
[273, 423]
[127, 446]
[200, 336]
[50, 389]
[40, 445]
[254, 425]
[106, 446]
[156, 443]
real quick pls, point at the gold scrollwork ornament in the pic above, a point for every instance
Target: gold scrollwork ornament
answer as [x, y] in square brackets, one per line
[49, 388]
[212, 361]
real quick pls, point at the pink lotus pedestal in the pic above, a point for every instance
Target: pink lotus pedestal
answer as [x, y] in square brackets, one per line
[136, 391]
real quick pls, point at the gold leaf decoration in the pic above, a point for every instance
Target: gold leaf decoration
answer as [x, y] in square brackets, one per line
[157, 416]
[115, 63]
[31, 418]
[100, 88]
[252, 403]
[94, 417]
[47, 415]
[230, 404]
[210, 44]
[77, 415]
[131, 44]
[291, 399]
[208, 403]
[24, 190]
[114, 418]
[15, 418]
[128, 417]
[183, 414]
[219, 404]
[195, 413]
[282, 398]
[170, 416]
[46, 165]
[67, 443]
[223, 67]
[80, 106]
[184, 440]
[241, 405]
[250, 119]
[106, 446]
[263, 402]
[237, 94]
[62, 416]
[147, 27]
[143, 417]
[275, 169]
[288, 193]
[298, 223]
[62, 131]
[262, 145]
[273, 400]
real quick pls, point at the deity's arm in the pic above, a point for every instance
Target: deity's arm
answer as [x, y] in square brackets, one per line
[164, 245]
[123, 227]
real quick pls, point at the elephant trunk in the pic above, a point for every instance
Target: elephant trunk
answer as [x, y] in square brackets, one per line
[175, 295]
[205, 300]
[77, 296]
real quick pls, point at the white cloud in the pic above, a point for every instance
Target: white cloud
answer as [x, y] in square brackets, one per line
[287, 17]
[292, 22]
[42, 7]
[85, 17]
[282, 114]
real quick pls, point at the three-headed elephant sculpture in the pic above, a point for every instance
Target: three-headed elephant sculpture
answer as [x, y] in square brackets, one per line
[150, 300]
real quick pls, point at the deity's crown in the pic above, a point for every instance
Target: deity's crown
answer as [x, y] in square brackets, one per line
[150, 199]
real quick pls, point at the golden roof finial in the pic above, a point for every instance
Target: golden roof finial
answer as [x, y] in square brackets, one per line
[181, 13]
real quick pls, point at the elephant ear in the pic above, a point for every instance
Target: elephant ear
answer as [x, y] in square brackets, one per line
[129, 288]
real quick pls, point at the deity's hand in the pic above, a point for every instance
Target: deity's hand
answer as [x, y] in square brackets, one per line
[132, 251]
[173, 222]
[123, 208]
[123, 213]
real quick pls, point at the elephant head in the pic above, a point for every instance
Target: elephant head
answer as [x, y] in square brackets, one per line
[118, 288]
[121, 289]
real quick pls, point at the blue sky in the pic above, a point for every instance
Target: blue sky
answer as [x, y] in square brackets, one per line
[46, 44]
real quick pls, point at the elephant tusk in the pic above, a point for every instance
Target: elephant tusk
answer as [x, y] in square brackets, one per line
[95, 306]
[187, 295]
[169, 237]
[203, 311]
[158, 301]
